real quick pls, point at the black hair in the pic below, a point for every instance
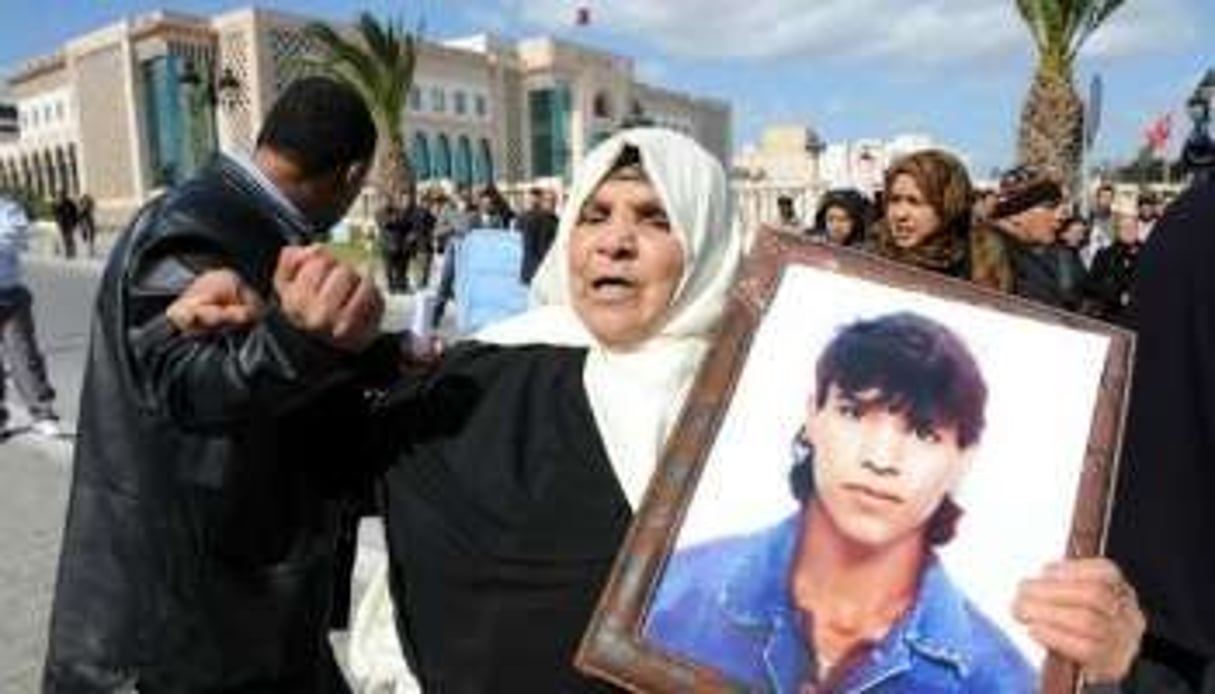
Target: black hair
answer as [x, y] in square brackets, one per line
[320, 125]
[919, 367]
[854, 204]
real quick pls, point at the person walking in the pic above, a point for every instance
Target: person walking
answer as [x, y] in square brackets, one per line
[23, 359]
[87, 224]
[67, 215]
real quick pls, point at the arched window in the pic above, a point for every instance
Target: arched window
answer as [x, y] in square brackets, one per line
[485, 163]
[419, 157]
[602, 105]
[464, 161]
[443, 158]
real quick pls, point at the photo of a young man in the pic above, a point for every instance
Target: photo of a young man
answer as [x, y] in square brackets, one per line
[848, 594]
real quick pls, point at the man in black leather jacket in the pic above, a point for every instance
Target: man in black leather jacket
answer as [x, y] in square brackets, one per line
[214, 471]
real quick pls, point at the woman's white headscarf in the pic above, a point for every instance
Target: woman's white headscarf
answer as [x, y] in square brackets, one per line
[636, 393]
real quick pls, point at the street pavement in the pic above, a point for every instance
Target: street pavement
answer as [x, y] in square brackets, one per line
[35, 471]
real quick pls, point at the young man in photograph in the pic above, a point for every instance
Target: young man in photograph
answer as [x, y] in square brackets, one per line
[848, 594]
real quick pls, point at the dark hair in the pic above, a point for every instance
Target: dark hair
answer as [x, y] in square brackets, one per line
[944, 183]
[919, 366]
[321, 125]
[854, 204]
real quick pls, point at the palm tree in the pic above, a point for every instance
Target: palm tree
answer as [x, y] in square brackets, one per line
[1052, 119]
[379, 63]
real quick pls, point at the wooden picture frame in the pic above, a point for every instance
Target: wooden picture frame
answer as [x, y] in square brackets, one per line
[1026, 344]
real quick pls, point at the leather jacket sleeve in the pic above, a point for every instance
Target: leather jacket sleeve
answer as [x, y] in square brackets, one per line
[210, 383]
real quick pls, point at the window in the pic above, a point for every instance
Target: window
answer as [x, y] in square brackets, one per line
[415, 99]
[460, 102]
[442, 163]
[602, 105]
[485, 163]
[438, 100]
[464, 161]
[59, 110]
[480, 106]
[419, 156]
[549, 115]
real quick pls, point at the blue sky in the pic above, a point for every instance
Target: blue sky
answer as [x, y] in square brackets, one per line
[956, 70]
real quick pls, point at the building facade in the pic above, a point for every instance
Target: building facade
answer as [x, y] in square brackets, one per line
[126, 110]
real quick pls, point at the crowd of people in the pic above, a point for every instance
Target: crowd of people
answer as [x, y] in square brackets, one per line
[242, 409]
[928, 214]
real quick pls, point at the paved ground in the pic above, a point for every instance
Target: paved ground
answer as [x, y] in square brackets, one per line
[35, 472]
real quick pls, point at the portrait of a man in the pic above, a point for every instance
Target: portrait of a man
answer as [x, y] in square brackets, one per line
[848, 592]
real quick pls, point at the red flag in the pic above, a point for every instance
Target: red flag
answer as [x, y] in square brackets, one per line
[583, 16]
[1157, 134]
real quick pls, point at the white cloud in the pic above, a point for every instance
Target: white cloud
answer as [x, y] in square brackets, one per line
[1146, 26]
[923, 32]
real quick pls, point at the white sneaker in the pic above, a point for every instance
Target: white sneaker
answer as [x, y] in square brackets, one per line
[47, 427]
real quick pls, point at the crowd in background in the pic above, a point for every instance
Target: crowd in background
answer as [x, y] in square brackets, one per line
[1087, 259]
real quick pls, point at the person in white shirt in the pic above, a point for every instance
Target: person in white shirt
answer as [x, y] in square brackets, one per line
[18, 345]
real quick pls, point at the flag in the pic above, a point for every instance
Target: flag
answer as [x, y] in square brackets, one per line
[1157, 134]
[583, 16]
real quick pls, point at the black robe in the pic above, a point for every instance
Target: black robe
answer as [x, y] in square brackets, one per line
[1163, 526]
[503, 517]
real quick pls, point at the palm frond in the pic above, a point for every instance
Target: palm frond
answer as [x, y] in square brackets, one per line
[1060, 28]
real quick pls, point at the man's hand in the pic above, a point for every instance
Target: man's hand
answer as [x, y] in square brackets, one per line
[1085, 611]
[327, 298]
[215, 300]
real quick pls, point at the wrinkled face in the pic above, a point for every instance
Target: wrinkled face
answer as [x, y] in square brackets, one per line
[911, 218]
[839, 224]
[625, 262]
[878, 476]
[1039, 224]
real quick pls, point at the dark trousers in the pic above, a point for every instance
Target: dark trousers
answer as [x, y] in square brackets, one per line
[396, 270]
[69, 241]
[447, 284]
[21, 357]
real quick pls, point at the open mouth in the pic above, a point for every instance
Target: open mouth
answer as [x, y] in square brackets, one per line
[613, 287]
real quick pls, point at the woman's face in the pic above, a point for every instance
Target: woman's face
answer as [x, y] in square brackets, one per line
[625, 262]
[911, 218]
[839, 224]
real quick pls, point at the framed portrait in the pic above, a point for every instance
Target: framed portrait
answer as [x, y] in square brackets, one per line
[870, 461]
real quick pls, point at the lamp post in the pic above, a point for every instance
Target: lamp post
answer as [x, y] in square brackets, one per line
[205, 92]
[1198, 155]
[220, 87]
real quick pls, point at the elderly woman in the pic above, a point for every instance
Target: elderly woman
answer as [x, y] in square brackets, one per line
[516, 460]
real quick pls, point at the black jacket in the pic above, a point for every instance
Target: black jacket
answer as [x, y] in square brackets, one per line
[1163, 519]
[539, 228]
[212, 475]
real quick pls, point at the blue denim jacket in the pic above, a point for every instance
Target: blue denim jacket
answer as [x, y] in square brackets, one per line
[726, 604]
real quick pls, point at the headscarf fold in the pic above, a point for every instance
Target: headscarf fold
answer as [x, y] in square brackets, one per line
[637, 392]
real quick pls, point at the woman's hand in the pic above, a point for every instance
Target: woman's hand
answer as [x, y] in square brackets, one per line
[1085, 611]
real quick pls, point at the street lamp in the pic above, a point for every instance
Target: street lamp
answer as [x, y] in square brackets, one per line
[1198, 155]
[223, 88]
[205, 92]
